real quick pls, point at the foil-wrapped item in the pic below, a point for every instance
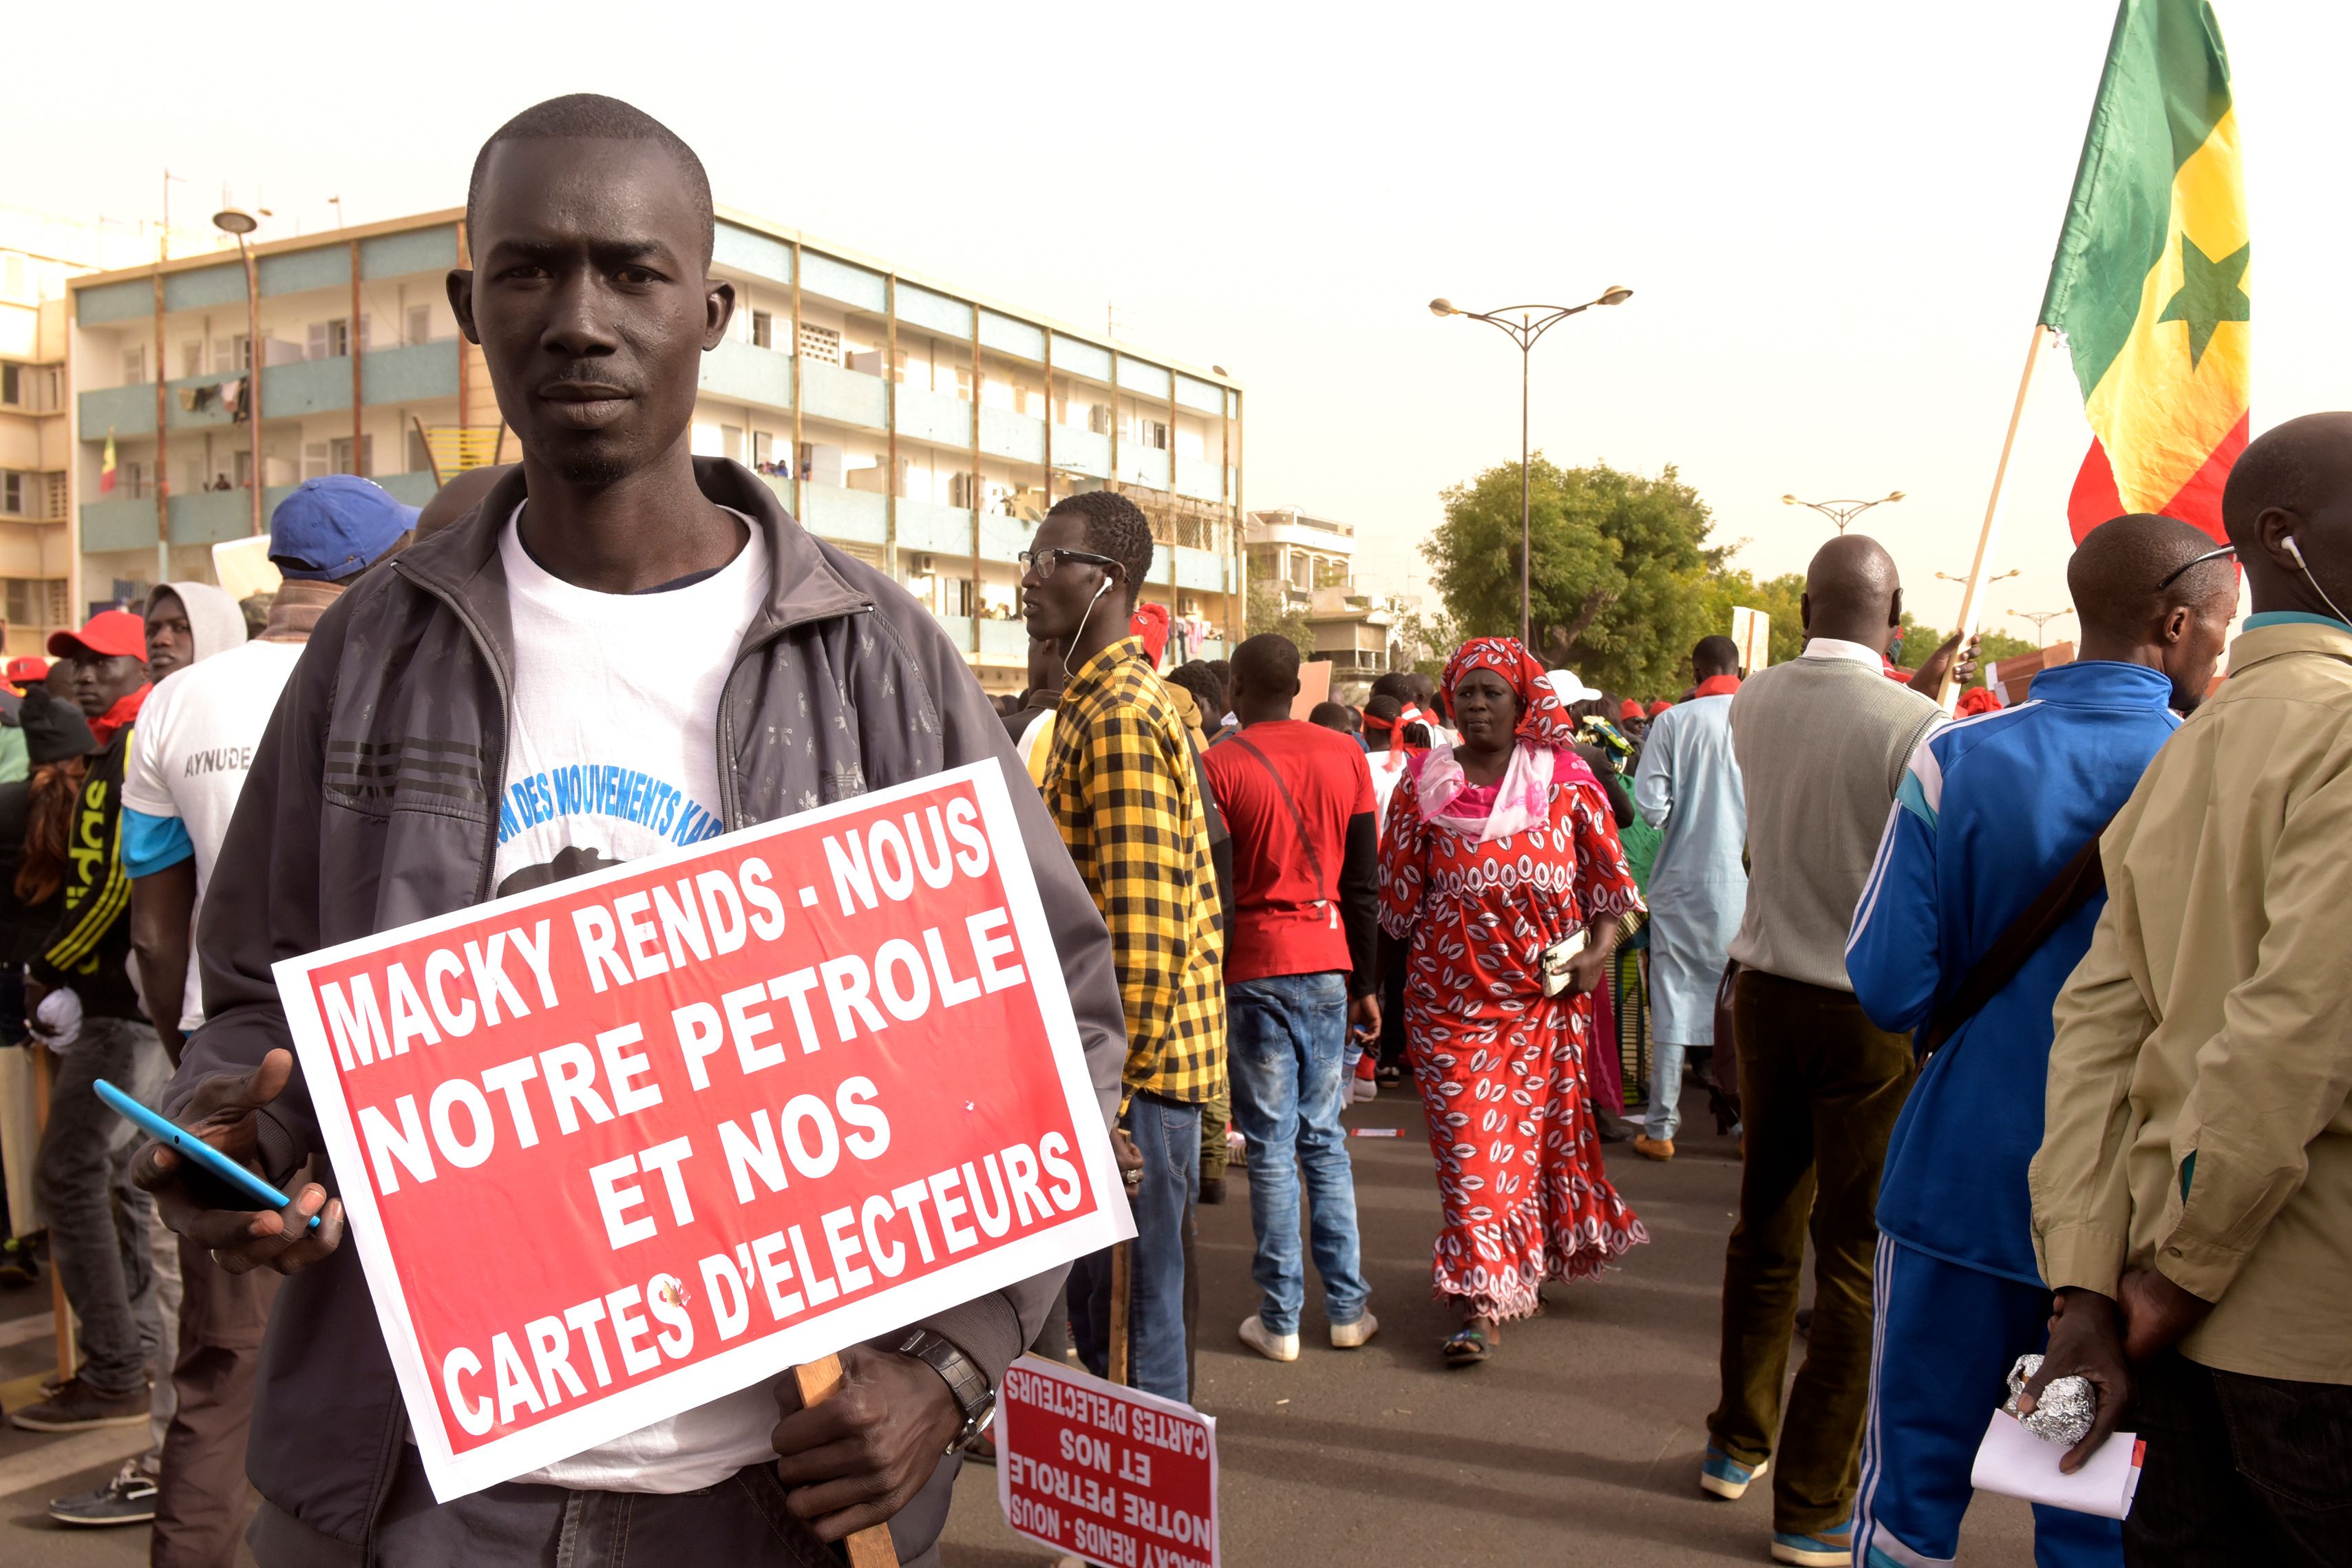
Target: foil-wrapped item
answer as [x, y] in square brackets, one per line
[2061, 1412]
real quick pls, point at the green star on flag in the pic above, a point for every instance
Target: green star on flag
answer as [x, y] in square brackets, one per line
[2208, 294]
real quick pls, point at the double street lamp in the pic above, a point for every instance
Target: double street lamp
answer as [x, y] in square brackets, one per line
[1842, 512]
[1533, 322]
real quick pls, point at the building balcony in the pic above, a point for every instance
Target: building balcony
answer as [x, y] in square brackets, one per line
[934, 416]
[830, 392]
[1005, 641]
[855, 516]
[1079, 451]
[1017, 437]
[1201, 480]
[937, 530]
[210, 517]
[417, 374]
[741, 373]
[1142, 465]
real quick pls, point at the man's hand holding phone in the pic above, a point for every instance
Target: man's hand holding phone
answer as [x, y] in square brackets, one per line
[204, 1209]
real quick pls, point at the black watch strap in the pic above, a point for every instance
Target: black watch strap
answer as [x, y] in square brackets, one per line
[967, 1382]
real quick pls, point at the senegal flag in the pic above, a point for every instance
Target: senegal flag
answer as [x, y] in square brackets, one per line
[2149, 283]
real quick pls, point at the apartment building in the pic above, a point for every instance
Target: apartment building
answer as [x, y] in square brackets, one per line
[1300, 554]
[38, 255]
[920, 428]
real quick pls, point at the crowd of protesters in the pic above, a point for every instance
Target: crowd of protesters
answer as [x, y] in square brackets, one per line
[2032, 1026]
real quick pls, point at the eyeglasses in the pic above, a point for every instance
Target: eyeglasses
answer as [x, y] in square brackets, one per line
[1045, 561]
[2188, 566]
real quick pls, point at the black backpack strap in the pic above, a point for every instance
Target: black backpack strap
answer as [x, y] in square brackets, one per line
[2079, 881]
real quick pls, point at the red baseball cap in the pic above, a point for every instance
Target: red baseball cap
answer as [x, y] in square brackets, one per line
[110, 634]
[26, 671]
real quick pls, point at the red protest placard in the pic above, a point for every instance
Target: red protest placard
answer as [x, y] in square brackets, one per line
[616, 1147]
[1114, 1475]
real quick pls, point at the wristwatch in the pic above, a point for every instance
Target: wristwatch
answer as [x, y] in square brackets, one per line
[970, 1387]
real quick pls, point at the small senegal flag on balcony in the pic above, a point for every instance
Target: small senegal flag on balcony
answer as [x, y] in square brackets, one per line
[2149, 282]
[106, 468]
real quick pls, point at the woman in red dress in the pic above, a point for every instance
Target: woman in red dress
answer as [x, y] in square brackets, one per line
[1497, 848]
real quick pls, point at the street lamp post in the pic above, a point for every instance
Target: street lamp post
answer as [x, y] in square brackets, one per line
[1842, 512]
[232, 220]
[2040, 618]
[2012, 572]
[1534, 321]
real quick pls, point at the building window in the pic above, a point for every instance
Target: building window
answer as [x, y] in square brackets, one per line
[134, 366]
[35, 602]
[329, 340]
[763, 330]
[339, 456]
[420, 324]
[821, 343]
[192, 358]
[15, 276]
[13, 491]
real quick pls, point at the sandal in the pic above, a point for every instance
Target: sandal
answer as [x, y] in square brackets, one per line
[1467, 1348]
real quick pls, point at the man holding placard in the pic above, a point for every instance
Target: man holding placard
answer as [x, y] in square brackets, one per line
[473, 723]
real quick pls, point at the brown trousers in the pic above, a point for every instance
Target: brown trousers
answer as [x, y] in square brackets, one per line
[202, 1499]
[1820, 1088]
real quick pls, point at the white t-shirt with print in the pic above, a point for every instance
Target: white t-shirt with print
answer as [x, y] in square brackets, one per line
[613, 755]
[192, 748]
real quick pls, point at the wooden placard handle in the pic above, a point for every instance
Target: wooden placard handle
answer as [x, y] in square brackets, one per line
[870, 1547]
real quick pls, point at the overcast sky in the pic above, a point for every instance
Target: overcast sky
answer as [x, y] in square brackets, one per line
[1837, 218]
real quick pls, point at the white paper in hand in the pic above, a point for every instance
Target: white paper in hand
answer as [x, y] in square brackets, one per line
[2015, 1463]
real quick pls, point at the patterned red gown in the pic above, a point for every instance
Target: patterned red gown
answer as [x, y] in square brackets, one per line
[1500, 1067]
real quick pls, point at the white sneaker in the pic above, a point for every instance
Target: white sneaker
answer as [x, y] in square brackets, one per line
[1347, 1336]
[1266, 1342]
[1366, 1089]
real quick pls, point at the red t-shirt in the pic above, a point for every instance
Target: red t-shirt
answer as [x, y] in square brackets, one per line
[1285, 922]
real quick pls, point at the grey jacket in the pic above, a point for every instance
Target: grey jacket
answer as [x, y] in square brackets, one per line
[372, 802]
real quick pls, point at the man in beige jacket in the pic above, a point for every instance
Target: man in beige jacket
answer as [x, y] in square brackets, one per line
[2193, 1198]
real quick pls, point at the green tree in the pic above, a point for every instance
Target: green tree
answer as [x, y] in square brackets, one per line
[1269, 610]
[1616, 569]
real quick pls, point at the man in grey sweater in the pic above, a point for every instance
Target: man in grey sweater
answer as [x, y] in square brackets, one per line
[1821, 744]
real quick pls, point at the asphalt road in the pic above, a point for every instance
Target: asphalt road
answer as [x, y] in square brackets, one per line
[1579, 1443]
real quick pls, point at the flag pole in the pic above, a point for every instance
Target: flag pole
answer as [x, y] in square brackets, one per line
[1990, 535]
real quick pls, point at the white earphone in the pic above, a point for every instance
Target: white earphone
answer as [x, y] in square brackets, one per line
[1066, 670]
[2296, 550]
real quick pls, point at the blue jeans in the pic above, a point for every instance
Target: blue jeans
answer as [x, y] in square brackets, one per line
[1664, 1117]
[1285, 1039]
[1169, 1136]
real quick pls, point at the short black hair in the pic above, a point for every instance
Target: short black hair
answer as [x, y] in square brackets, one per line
[1198, 677]
[592, 115]
[1333, 715]
[1115, 527]
[2130, 571]
[1400, 684]
[1267, 662]
[1715, 656]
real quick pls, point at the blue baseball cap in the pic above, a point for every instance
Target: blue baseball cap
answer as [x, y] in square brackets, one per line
[335, 527]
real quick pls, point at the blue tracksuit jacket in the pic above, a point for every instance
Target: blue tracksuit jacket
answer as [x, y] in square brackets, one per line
[1991, 810]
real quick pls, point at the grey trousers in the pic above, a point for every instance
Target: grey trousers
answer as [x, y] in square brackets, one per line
[98, 1222]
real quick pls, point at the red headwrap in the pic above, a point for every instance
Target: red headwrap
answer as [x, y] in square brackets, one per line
[1660, 705]
[1543, 718]
[1629, 708]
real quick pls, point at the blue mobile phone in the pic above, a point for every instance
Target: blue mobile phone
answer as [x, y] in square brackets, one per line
[188, 1145]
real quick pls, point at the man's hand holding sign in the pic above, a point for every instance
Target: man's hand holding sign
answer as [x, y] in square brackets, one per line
[625, 1144]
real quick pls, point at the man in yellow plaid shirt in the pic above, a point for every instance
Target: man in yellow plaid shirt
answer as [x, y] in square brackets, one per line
[1122, 786]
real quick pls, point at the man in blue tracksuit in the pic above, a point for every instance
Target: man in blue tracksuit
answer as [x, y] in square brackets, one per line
[1993, 809]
